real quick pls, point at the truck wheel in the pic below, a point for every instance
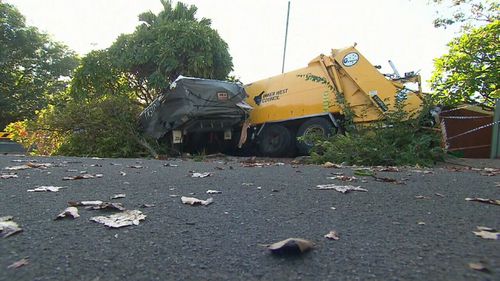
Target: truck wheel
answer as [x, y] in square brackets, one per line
[313, 127]
[275, 140]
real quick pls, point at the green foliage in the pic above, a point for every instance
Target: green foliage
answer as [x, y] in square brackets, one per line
[467, 13]
[167, 45]
[32, 67]
[397, 140]
[103, 127]
[469, 72]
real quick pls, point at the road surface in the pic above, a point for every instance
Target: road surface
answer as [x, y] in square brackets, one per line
[421, 229]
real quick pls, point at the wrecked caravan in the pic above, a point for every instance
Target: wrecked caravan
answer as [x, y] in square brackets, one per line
[197, 113]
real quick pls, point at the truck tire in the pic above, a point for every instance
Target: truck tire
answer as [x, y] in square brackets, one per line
[315, 126]
[275, 140]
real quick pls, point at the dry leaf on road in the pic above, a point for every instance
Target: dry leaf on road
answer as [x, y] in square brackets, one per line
[70, 212]
[343, 178]
[485, 200]
[479, 266]
[333, 235]
[195, 201]
[331, 165]
[8, 176]
[125, 218]
[290, 246]
[107, 205]
[83, 177]
[200, 175]
[8, 227]
[46, 189]
[85, 203]
[487, 233]
[340, 188]
[214, 191]
[118, 196]
[19, 263]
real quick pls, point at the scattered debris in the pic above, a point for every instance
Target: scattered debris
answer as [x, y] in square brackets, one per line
[195, 201]
[123, 173]
[364, 172]
[82, 177]
[29, 165]
[340, 188]
[19, 263]
[85, 203]
[8, 227]
[8, 176]
[214, 191]
[489, 172]
[485, 200]
[479, 266]
[118, 196]
[387, 169]
[107, 205]
[384, 179]
[439, 194]
[135, 166]
[95, 165]
[275, 190]
[201, 175]
[46, 189]
[17, 168]
[344, 178]
[170, 165]
[290, 246]
[331, 165]
[333, 208]
[333, 235]
[422, 197]
[219, 168]
[147, 205]
[247, 183]
[125, 218]
[68, 212]
[421, 223]
[487, 233]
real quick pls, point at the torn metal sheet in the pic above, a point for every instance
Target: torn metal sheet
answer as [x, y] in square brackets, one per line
[194, 104]
[125, 218]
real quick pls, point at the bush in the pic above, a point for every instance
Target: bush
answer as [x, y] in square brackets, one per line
[398, 140]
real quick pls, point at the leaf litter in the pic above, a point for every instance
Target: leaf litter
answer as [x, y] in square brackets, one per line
[19, 263]
[8, 227]
[487, 233]
[333, 235]
[340, 188]
[121, 219]
[484, 200]
[83, 177]
[8, 176]
[290, 246]
[46, 189]
[70, 212]
[200, 175]
[195, 201]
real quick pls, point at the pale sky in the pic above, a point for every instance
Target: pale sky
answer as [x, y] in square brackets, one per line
[399, 30]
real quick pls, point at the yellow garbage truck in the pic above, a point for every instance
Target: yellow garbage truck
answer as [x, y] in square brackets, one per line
[288, 106]
[273, 114]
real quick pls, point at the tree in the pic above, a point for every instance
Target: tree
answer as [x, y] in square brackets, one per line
[167, 45]
[467, 13]
[97, 114]
[33, 68]
[469, 72]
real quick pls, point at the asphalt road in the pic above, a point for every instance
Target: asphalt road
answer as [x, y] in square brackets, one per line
[386, 233]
